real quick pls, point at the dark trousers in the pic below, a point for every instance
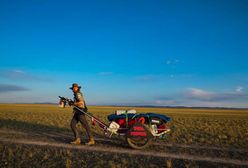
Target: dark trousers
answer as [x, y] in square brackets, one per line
[80, 117]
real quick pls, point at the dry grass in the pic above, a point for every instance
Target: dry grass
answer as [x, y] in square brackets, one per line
[218, 127]
[204, 127]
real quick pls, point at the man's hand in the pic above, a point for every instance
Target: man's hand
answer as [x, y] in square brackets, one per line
[71, 103]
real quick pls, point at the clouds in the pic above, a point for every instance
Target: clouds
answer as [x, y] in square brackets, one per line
[161, 102]
[172, 61]
[195, 93]
[197, 97]
[157, 89]
[17, 74]
[18, 85]
[146, 78]
[105, 73]
[239, 89]
[4, 88]
[203, 95]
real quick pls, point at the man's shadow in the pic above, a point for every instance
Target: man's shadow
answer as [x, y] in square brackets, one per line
[34, 131]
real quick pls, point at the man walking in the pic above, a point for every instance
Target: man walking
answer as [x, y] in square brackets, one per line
[78, 116]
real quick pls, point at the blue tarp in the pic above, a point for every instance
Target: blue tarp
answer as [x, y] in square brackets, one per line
[112, 117]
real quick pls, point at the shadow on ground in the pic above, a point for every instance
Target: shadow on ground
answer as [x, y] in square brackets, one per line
[21, 129]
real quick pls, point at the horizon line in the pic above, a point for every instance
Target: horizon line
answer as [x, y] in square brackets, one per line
[147, 106]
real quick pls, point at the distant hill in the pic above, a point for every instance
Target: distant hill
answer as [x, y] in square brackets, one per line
[45, 103]
[151, 106]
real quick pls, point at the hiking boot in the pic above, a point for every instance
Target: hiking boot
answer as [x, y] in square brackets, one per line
[76, 142]
[91, 142]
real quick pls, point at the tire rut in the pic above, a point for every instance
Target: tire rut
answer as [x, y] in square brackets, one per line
[128, 151]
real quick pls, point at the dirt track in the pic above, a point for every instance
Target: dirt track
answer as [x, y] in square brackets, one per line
[126, 151]
[210, 154]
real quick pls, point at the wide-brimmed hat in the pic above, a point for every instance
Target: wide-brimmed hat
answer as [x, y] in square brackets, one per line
[75, 85]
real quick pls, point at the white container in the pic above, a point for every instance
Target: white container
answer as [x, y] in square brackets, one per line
[131, 111]
[119, 112]
[154, 129]
[113, 127]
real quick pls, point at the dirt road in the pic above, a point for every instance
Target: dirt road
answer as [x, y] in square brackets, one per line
[106, 149]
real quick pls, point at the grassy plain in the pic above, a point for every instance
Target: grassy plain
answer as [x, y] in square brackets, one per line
[218, 132]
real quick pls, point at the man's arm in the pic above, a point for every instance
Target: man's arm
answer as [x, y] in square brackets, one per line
[80, 104]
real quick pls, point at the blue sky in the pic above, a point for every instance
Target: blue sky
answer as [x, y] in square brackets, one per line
[166, 53]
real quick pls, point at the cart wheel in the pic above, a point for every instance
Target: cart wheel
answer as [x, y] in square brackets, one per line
[138, 136]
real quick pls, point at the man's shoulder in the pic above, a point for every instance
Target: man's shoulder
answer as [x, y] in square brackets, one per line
[79, 95]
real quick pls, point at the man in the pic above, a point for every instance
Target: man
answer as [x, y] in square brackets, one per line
[79, 116]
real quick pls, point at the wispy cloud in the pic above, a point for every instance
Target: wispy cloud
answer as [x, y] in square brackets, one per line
[13, 74]
[18, 74]
[169, 100]
[161, 77]
[203, 95]
[105, 73]
[172, 62]
[196, 93]
[146, 77]
[166, 102]
[11, 88]
[239, 89]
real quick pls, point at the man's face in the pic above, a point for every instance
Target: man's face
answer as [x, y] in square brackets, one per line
[75, 89]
